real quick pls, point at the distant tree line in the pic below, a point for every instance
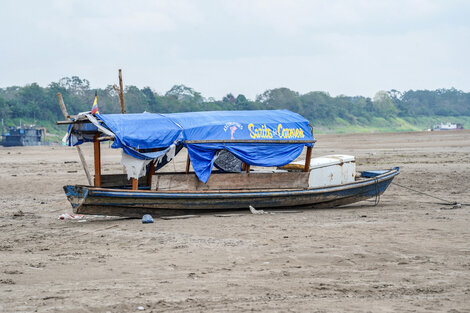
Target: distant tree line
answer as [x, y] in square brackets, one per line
[38, 103]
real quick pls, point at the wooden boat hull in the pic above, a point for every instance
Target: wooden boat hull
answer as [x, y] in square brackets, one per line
[135, 203]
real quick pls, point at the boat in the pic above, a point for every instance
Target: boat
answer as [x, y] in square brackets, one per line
[239, 159]
[447, 126]
[23, 135]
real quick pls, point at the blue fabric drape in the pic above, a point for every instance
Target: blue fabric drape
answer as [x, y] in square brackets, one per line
[203, 155]
[135, 132]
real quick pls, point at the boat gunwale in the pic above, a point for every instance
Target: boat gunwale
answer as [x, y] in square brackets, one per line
[112, 192]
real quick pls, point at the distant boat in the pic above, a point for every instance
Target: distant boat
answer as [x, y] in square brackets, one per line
[23, 135]
[447, 126]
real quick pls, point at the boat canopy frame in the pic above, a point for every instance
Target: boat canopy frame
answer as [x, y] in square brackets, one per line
[98, 135]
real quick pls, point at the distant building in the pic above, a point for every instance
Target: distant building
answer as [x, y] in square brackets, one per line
[23, 136]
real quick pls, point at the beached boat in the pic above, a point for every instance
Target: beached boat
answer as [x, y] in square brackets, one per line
[224, 147]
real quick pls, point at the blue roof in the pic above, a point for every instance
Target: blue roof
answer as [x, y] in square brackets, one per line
[218, 130]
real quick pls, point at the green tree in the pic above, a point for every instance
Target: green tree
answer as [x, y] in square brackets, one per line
[318, 106]
[75, 85]
[384, 105]
[281, 98]
[153, 100]
[135, 100]
[33, 103]
[4, 108]
[242, 103]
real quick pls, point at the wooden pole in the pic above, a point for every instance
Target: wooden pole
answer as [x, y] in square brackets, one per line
[121, 93]
[188, 162]
[135, 181]
[150, 173]
[247, 168]
[97, 152]
[151, 170]
[84, 164]
[62, 106]
[307, 159]
[79, 150]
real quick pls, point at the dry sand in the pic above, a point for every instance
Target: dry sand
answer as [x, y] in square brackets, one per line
[405, 255]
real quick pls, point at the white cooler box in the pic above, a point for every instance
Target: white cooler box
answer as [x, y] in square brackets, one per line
[331, 170]
[328, 170]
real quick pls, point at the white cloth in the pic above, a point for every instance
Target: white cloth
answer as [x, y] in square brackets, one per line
[135, 168]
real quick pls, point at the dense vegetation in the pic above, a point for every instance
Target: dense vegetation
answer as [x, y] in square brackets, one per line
[388, 110]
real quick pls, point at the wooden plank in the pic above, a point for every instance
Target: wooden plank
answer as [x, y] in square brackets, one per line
[70, 121]
[117, 180]
[231, 181]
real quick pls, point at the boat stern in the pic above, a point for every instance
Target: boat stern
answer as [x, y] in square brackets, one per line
[76, 195]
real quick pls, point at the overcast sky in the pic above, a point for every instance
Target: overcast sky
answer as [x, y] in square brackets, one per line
[354, 47]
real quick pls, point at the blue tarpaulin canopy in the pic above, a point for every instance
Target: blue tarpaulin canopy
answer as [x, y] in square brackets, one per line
[262, 138]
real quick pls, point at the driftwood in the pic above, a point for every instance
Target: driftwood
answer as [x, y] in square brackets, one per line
[178, 217]
[228, 215]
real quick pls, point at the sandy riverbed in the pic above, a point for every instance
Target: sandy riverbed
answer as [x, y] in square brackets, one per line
[407, 254]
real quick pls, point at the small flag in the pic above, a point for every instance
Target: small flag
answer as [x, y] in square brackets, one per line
[94, 108]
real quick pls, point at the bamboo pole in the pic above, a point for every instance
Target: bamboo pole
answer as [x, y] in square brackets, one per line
[79, 150]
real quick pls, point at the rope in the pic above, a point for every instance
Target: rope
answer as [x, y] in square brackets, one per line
[377, 194]
[447, 202]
